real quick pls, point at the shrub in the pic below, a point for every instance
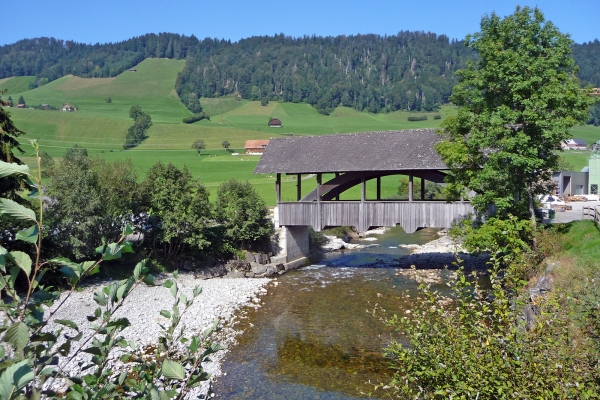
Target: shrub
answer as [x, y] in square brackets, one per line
[437, 116]
[195, 118]
[243, 214]
[477, 347]
[34, 355]
[477, 343]
[316, 239]
[419, 118]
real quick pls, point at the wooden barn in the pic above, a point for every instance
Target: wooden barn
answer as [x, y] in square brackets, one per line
[275, 123]
[256, 146]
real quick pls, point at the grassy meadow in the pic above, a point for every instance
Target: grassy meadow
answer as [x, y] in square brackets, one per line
[101, 126]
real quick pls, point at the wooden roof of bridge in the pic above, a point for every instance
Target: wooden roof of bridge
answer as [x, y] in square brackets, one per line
[353, 152]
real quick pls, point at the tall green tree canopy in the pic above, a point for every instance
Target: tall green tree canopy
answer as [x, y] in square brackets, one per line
[180, 208]
[8, 143]
[243, 214]
[517, 102]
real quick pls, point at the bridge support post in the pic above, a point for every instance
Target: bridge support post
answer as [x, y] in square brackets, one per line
[422, 189]
[410, 186]
[296, 246]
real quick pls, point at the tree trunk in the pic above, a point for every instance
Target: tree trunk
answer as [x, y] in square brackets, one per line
[531, 205]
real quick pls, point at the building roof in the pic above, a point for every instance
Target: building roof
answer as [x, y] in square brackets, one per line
[275, 121]
[353, 152]
[256, 144]
[580, 142]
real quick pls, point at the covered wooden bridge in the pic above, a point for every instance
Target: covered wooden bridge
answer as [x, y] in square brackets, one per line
[354, 159]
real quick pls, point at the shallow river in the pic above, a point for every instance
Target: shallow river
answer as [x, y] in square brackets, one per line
[314, 336]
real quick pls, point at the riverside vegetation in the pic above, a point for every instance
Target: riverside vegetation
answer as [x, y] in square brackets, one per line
[509, 341]
[33, 357]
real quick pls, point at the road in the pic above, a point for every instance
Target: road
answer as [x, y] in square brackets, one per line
[576, 213]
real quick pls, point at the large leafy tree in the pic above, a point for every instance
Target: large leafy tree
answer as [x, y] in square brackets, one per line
[243, 214]
[179, 208]
[91, 199]
[517, 102]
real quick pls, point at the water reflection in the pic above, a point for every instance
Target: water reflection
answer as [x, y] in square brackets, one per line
[314, 337]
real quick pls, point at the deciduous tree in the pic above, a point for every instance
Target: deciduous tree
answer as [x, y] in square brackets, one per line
[199, 145]
[517, 102]
[243, 213]
[180, 209]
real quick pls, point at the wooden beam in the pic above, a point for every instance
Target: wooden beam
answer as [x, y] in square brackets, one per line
[319, 187]
[378, 188]
[299, 187]
[278, 188]
[410, 186]
[363, 184]
[422, 189]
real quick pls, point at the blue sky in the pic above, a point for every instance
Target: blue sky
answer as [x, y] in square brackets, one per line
[112, 21]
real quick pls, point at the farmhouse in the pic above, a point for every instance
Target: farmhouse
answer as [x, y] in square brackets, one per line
[20, 105]
[256, 146]
[573, 144]
[68, 107]
[275, 123]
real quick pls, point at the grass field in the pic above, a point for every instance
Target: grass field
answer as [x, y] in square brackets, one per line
[14, 85]
[101, 127]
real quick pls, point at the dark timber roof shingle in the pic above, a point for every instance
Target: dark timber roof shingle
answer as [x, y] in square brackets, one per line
[369, 151]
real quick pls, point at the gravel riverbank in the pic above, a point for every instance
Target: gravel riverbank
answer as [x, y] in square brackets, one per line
[219, 299]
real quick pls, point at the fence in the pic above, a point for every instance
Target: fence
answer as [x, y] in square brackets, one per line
[591, 213]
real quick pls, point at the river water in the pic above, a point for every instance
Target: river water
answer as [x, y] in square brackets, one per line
[314, 336]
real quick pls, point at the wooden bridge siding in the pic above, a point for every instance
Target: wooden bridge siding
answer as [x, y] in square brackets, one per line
[409, 215]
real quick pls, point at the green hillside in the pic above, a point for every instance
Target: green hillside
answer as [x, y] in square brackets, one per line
[101, 127]
[14, 85]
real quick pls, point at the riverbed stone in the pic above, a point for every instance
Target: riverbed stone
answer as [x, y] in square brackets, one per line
[235, 274]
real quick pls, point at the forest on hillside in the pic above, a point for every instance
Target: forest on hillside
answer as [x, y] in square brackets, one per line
[407, 71]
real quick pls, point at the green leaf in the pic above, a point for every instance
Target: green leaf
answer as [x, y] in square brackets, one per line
[68, 272]
[7, 169]
[149, 280]
[197, 291]
[86, 266]
[18, 335]
[210, 329]
[172, 370]
[67, 322]
[112, 251]
[127, 230]
[66, 262]
[123, 322]
[165, 313]
[137, 271]
[29, 235]
[16, 210]
[22, 260]
[93, 350]
[15, 378]
[194, 344]
[176, 274]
